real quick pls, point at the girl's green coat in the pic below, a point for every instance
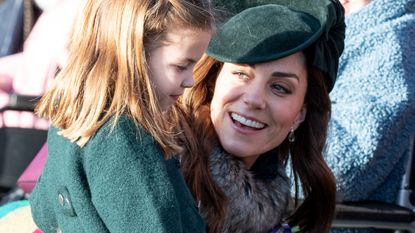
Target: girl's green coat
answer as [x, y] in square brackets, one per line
[118, 182]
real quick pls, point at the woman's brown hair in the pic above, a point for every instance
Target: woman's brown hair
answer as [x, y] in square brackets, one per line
[107, 73]
[316, 212]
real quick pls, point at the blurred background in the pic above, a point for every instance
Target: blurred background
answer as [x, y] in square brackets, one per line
[33, 39]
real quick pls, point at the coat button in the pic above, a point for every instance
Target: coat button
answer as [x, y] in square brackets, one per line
[61, 199]
[64, 200]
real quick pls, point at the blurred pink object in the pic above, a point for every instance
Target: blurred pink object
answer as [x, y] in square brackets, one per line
[29, 177]
[31, 71]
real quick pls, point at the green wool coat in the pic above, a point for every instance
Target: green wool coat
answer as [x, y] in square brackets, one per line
[118, 182]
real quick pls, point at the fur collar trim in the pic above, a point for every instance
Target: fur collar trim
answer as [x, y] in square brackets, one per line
[256, 203]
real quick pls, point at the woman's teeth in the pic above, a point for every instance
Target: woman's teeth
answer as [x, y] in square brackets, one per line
[246, 122]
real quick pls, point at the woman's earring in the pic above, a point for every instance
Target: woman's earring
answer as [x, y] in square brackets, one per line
[291, 135]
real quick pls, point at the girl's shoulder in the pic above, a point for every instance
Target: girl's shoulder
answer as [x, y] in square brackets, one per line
[113, 130]
[121, 144]
[121, 129]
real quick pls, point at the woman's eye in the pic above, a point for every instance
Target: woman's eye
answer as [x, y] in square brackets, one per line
[280, 89]
[240, 75]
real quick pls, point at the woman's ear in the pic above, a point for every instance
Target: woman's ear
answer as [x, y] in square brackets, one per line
[300, 117]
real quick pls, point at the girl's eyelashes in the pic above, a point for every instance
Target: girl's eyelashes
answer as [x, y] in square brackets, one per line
[181, 68]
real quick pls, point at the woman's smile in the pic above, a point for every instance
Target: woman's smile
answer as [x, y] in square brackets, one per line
[245, 125]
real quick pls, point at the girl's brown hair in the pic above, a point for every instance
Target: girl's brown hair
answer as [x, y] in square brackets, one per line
[315, 213]
[107, 74]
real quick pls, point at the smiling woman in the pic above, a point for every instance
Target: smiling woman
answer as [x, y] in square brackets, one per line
[261, 100]
[254, 107]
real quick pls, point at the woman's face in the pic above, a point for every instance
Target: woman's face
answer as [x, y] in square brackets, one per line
[254, 106]
[171, 64]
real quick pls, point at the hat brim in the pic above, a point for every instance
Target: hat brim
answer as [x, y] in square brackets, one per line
[260, 34]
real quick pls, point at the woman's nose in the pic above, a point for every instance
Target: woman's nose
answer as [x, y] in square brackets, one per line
[254, 96]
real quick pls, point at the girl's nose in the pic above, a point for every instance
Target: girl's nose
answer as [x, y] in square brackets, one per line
[188, 80]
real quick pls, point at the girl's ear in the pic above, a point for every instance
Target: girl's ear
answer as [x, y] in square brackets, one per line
[300, 117]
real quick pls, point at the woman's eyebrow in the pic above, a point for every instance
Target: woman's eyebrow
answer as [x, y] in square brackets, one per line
[280, 74]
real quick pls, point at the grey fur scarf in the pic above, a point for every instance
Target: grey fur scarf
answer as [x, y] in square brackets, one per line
[255, 204]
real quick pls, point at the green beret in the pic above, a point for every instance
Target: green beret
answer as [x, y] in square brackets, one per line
[267, 30]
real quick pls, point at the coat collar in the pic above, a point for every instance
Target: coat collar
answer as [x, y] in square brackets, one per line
[257, 198]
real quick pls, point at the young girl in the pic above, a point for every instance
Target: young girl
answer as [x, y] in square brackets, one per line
[109, 167]
[261, 100]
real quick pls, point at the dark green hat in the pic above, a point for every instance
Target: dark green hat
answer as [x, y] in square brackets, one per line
[267, 30]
